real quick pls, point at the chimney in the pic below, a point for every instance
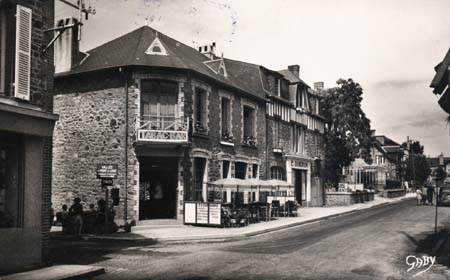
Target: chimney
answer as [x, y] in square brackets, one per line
[67, 47]
[295, 69]
[318, 86]
[208, 50]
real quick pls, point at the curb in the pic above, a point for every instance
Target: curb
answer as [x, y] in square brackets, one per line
[49, 273]
[235, 237]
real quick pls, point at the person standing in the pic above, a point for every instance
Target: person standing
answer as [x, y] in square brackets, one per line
[430, 193]
[76, 211]
[419, 196]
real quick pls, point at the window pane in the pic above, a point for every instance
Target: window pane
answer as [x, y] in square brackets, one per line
[248, 122]
[225, 116]
[225, 168]
[240, 170]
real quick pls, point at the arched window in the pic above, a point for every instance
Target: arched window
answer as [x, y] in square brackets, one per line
[277, 173]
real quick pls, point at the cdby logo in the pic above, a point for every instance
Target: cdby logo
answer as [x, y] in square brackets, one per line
[421, 264]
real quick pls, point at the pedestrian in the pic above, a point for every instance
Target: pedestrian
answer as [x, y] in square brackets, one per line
[419, 196]
[52, 216]
[64, 219]
[76, 211]
[89, 218]
[430, 192]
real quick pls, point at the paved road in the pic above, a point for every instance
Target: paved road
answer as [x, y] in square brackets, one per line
[372, 244]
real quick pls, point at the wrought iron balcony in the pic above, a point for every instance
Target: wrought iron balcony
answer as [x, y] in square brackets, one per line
[163, 129]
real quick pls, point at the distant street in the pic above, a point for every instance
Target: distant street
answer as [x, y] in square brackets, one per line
[372, 244]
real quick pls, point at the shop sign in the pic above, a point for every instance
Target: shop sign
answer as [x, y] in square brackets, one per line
[107, 182]
[299, 163]
[107, 171]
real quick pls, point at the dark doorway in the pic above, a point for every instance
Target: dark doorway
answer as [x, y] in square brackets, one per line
[157, 188]
[300, 185]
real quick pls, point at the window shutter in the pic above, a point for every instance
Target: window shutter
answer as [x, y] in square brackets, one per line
[23, 53]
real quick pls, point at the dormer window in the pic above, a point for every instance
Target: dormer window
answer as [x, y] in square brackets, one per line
[156, 48]
[277, 87]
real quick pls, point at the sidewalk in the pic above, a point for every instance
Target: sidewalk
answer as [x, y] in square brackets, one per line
[57, 272]
[187, 233]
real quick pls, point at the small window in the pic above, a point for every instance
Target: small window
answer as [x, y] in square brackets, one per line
[249, 123]
[200, 110]
[7, 51]
[226, 119]
[277, 87]
[255, 171]
[225, 169]
[297, 139]
[277, 173]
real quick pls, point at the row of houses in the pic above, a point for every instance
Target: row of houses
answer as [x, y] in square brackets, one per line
[174, 119]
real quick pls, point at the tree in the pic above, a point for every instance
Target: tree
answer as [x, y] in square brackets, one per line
[417, 168]
[414, 147]
[347, 133]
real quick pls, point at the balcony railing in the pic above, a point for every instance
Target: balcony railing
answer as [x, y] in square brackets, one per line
[163, 129]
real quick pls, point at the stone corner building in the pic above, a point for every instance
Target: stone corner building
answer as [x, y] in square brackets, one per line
[26, 127]
[174, 119]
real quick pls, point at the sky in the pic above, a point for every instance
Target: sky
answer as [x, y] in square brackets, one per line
[390, 47]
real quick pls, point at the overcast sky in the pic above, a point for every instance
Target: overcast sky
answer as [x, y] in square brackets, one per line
[389, 46]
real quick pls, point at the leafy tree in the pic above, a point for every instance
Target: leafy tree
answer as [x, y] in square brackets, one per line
[347, 133]
[415, 147]
[417, 167]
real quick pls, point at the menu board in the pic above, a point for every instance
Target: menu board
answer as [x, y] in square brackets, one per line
[202, 213]
[189, 212]
[214, 214]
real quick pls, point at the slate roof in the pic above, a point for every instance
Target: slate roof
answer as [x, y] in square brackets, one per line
[386, 141]
[129, 50]
[246, 73]
[291, 77]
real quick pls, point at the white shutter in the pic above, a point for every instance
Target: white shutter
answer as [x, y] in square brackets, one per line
[23, 53]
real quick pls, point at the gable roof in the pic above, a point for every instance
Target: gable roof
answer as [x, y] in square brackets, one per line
[288, 75]
[386, 141]
[129, 50]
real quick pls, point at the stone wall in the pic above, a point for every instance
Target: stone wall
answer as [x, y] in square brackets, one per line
[90, 131]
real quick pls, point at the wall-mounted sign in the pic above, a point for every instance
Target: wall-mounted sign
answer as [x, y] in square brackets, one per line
[106, 171]
[299, 163]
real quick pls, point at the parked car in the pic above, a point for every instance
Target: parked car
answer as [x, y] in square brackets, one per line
[444, 196]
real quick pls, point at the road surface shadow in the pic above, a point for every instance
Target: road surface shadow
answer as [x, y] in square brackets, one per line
[432, 244]
[73, 250]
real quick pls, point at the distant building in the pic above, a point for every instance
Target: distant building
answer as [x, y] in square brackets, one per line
[26, 127]
[441, 82]
[387, 156]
